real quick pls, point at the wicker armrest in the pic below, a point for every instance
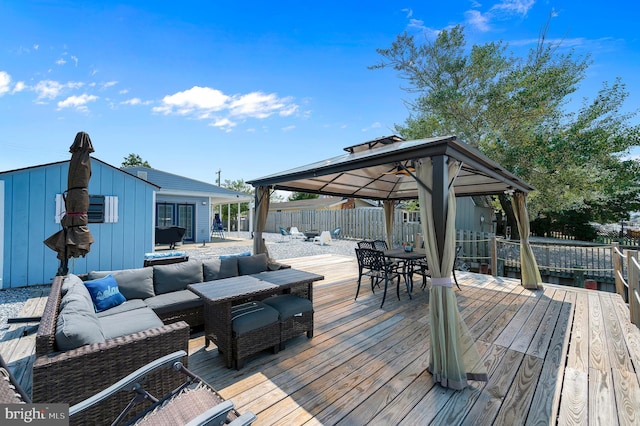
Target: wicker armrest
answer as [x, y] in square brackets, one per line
[72, 376]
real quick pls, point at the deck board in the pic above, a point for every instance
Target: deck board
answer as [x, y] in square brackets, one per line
[560, 355]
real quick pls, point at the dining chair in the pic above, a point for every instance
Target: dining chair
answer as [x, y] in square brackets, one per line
[420, 267]
[374, 264]
[366, 244]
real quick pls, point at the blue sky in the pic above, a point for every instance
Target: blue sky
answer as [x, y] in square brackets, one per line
[251, 88]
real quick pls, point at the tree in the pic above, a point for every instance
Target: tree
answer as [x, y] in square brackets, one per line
[134, 160]
[512, 109]
[238, 186]
[295, 196]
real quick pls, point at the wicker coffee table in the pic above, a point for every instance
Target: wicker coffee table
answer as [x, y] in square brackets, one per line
[220, 296]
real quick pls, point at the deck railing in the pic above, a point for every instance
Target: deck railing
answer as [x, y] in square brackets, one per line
[569, 262]
[628, 285]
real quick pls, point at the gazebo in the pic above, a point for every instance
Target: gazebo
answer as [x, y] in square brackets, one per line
[434, 171]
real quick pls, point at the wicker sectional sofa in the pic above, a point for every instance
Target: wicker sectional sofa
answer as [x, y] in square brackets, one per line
[80, 352]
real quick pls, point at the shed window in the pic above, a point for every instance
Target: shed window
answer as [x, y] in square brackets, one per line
[102, 209]
[96, 209]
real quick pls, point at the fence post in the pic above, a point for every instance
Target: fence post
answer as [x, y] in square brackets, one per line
[634, 286]
[494, 256]
[617, 269]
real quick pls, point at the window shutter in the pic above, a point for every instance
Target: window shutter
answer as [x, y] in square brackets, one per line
[111, 209]
[60, 208]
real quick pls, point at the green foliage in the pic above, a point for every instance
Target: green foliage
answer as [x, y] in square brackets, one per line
[513, 109]
[295, 196]
[238, 186]
[134, 160]
[573, 223]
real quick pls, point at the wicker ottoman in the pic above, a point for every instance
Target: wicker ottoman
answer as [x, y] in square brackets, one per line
[255, 328]
[296, 316]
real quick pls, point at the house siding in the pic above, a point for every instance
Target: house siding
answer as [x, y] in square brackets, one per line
[29, 218]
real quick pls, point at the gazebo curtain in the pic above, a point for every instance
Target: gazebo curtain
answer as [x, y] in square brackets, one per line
[530, 274]
[454, 358]
[262, 210]
[389, 208]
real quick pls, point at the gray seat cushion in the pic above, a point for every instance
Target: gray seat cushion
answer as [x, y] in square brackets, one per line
[217, 269]
[253, 264]
[250, 316]
[133, 283]
[174, 301]
[126, 306]
[176, 276]
[129, 322]
[77, 323]
[289, 305]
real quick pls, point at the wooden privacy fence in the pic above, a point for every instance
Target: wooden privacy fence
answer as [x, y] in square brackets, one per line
[361, 223]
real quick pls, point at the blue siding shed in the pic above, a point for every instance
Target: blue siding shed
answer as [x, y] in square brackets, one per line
[28, 204]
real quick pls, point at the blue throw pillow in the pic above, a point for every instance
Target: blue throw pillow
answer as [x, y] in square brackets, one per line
[104, 293]
[228, 256]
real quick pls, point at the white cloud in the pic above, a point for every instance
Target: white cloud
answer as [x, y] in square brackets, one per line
[478, 20]
[408, 11]
[288, 128]
[224, 124]
[375, 125]
[50, 89]
[109, 84]
[505, 9]
[77, 102]
[517, 7]
[132, 101]
[416, 23]
[205, 103]
[192, 100]
[19, 87]
[5, 81]
[61, 61]
[74, 59]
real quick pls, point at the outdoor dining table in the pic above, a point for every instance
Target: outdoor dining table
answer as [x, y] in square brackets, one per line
[410, 257]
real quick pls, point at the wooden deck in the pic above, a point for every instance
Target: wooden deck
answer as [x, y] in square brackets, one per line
[555, 356]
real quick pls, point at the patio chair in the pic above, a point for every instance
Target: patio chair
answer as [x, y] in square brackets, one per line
[335, 234]
[366, 244]
[285, 235]
[295, 233]
[323, 238]
[10, 390]
[374, 264]
[193, 403]
[217, 228]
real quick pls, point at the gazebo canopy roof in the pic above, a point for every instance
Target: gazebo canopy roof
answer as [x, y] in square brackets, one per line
[382, 170]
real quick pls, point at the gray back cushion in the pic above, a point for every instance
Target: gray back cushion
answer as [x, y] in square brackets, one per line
[77, 323]
[253, 264]
[69, 281]
[133, 283]
[176, 276]
[217, 269]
